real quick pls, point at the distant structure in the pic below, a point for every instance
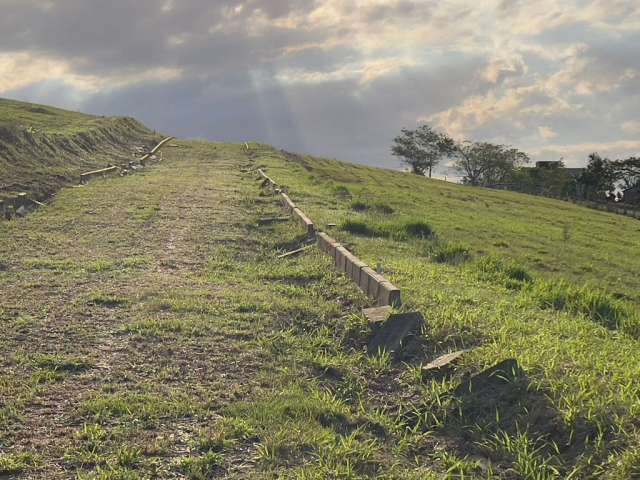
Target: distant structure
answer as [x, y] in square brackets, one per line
[572, 172]
[631, 195]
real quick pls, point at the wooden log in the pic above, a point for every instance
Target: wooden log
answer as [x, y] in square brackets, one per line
[103, 171]
[305, 221]
[155, 149]
[388, 294]
[295, 252]
[287, 203]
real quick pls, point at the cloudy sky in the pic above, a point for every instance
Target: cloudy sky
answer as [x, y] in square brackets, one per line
[339, 78]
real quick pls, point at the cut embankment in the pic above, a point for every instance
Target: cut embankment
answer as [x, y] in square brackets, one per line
[38, 156]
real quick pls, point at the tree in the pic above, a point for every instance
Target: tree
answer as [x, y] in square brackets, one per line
[598, 177]
[422, 149]
[486, 164]
[627, 171]
[550, 180]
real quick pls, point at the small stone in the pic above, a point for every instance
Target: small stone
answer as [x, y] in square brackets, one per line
[377, 314]
[490, 381]
[443, 365]
[390, 335]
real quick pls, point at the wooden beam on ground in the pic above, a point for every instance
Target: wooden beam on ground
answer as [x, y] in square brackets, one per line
[295, 252]
[269, 220]
[94, 173]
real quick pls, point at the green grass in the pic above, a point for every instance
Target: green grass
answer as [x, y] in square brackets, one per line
[549, 237]
[16, 463]
[398, 231]
[170, 341]
[43, 117]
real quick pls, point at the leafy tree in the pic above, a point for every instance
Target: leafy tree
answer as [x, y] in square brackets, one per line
[598, 177]
[485, 164]
[627, 171]
[422, 149]
[552, 180]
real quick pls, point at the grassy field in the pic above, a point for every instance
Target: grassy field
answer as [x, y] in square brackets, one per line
[151, 332]
[551, 238]
[44, 148]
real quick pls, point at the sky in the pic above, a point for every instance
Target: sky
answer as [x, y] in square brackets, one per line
[340, 78]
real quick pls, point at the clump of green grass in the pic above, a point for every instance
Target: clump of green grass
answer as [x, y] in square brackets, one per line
[15, 463]
[417, 229]
[329, 442]
[60, 363]
[341, 191]
[445, 252]
[502, 271]
[100, 265]
[156, 327]
[393, 230]
[596, 305]
[363, 206]
[141, 406]
[202, 467]
[107, 300]
[357, 227]
[526, 453]
[50, 264]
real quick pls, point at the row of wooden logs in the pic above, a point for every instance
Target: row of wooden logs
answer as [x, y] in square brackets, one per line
[369, 281]
[21, 204]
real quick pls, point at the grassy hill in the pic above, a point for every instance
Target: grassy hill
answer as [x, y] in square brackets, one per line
[151, 331]
[43, 148]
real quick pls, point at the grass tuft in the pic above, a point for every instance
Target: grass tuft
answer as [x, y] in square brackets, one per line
[202, 467]
[60, 363]
[502, 271]
[15, 463]
[392, 230]
[598, 306]
[445, 252]
[364, 206]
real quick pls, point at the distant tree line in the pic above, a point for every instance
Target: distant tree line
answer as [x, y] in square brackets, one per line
[481, 163]
[597, 181]
[502, 166]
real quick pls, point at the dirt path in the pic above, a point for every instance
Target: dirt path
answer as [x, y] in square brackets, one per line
[120, 342]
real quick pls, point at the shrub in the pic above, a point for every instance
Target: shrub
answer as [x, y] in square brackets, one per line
[418, 229]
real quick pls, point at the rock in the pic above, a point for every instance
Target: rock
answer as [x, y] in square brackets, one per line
[377, 315]
[490, 381]
[442, 366]
[22, 211]
[393, 331]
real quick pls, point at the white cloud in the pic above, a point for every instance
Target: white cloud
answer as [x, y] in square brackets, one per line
[362, 72]
[577, 151]
[18, 70]
[498, 70]
[632, 127]
[546, 133]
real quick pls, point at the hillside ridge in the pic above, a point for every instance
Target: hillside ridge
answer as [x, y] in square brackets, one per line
[44, 148]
